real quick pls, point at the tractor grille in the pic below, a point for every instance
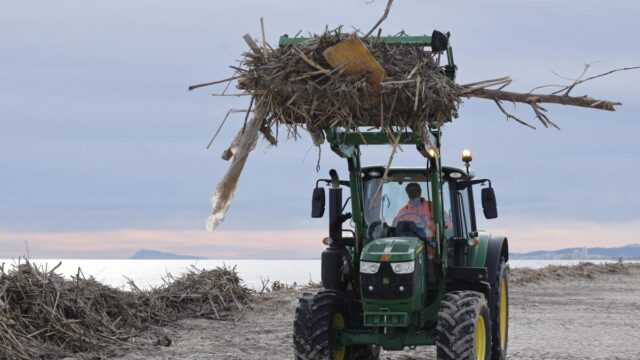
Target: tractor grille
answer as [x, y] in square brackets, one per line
[387, 285]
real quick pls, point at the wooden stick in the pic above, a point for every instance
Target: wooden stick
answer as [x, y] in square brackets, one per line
[309, 61]
[264, 40]
[241, 94]
[231, 111]
[252, 44]
[488, 83]
[193, 87]
[396, 144]
[384, 16]
[223, 194]
[309, 74]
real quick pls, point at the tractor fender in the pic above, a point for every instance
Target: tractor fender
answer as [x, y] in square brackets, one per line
[497, 247]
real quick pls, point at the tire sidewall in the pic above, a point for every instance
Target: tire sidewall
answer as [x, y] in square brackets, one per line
[484, 311]
[497, 352]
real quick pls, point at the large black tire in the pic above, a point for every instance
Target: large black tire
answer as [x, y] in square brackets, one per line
[499, 346]
[461, 312]
[364, 352]
[315, 316]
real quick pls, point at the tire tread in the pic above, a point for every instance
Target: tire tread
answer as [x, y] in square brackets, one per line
[456, 325]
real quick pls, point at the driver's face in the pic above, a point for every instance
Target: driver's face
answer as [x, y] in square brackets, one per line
[414, 192]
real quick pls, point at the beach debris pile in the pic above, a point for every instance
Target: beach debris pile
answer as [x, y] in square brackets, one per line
[214, 294]
[354, 81]
[45, 316]
[583, 270]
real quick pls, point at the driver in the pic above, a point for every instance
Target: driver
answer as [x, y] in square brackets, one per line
[417, 210]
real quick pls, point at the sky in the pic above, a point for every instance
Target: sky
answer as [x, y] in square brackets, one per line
[103, 151]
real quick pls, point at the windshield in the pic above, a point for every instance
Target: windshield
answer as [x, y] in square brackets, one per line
[392, 197]
[393, 203]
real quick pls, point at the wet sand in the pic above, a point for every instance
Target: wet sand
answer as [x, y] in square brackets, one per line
[591, 317]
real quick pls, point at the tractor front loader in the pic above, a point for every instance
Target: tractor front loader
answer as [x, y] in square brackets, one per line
[389, 283]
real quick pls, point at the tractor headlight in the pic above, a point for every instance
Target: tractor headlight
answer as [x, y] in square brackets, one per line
[369, 267]
[403, 267]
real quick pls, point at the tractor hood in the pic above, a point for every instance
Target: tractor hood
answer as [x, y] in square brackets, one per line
[392, 249]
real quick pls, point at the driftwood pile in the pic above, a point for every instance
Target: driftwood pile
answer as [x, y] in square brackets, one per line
[583, 270]
[45, 316]
[299, 88]
[405, 89]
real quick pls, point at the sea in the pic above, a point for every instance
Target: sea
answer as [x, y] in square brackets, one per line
[147, 274]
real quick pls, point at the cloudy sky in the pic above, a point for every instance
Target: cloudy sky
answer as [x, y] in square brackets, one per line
[102, 149]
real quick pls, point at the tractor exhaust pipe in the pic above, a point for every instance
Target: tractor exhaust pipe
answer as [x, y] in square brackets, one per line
[335, 265]
[335, 208]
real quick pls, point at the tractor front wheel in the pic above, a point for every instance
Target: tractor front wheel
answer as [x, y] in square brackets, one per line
[464, 327]
[317, 318]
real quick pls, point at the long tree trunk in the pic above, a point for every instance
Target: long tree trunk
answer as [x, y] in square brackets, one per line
[527, 98]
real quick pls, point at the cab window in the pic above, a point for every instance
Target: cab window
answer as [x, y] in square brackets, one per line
[463, 205]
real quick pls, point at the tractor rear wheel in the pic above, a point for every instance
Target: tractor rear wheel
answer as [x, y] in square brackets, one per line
[500, 312]
[317, 316]
[464, 327]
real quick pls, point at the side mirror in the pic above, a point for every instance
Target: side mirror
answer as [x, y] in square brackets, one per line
[489, 205]
[439, 41]
[317, 203]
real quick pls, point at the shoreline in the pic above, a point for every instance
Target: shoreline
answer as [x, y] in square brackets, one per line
[149, 273]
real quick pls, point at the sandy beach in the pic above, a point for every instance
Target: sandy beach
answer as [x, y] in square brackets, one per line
[575, 317]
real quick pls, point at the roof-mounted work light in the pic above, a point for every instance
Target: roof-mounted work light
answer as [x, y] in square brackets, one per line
[466, 158]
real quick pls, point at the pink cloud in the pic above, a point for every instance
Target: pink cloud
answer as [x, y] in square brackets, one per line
[528, 234]
[122, 243]
[525, 234]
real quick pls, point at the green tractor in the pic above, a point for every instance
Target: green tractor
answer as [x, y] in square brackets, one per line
[391, 281]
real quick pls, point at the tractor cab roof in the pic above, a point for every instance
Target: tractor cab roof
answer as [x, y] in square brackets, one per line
[449, 172]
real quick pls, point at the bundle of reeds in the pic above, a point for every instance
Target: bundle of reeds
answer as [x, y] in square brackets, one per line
[298, 87]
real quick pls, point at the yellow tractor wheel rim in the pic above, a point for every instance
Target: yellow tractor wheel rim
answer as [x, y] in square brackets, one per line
[338, 353]
[503, 314]
[481, 338]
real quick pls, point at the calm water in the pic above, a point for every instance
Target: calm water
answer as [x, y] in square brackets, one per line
[149, 273]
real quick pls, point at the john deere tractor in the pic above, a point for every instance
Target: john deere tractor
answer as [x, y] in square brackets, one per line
[389, 283]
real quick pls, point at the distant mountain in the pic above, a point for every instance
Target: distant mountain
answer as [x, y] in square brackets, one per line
[159, 255]
[631, 251]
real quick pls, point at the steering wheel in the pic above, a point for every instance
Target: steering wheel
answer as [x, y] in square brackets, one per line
[377, 229]
[410, 217]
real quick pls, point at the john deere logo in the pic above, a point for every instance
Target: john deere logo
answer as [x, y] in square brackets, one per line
[385, 281]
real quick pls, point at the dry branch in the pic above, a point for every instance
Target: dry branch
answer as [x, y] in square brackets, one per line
[223, 195]
[193, 87]
[528, 98]
[384, 16]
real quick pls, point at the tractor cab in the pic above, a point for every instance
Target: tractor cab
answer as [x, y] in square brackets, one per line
[393, 206]
[389, 209]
